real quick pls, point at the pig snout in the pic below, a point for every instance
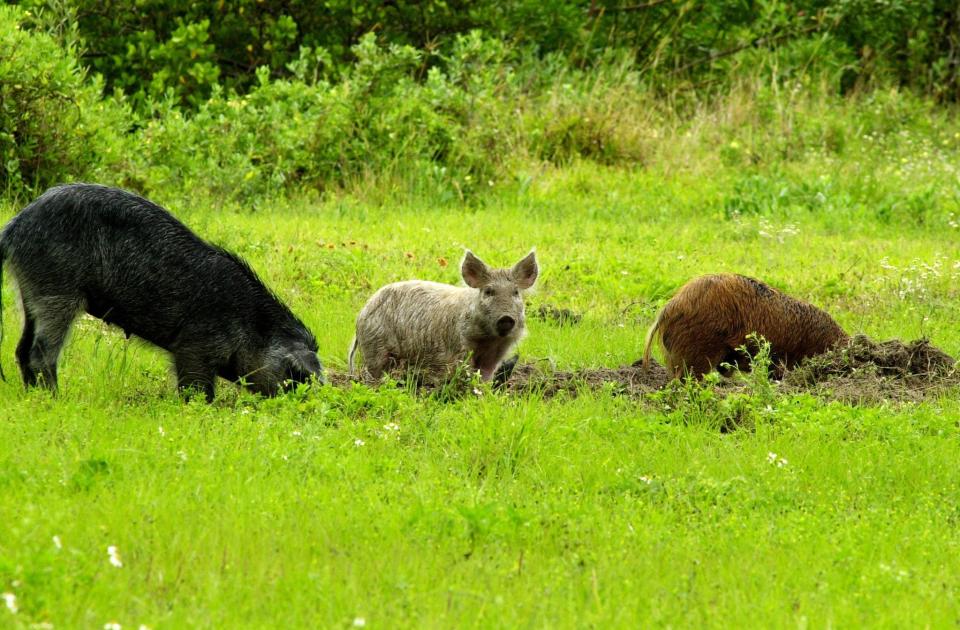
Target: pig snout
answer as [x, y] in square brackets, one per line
[504, 325]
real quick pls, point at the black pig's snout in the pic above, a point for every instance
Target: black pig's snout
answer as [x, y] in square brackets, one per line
[504, 325]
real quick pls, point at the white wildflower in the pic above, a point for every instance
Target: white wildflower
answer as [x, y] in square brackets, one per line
[114, 556]
[391, 426]
[296, 433]
[112, 625]
[358, 442]
[11, 601]
[161, 431]
[775, 460]
[57, 543]
[359, 622]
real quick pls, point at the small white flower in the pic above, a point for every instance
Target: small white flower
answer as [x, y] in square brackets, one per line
[112, 625]
[161, 431]
[775, 460]
[183, 455]
[645, 479]
[359, 622]
[114, 556]
[57, 543]
[477, 392]
[11, 601]
[143, 626]
[296, 433]
[358, 442]
[391, 426]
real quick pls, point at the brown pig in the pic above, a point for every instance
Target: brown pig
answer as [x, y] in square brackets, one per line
[710, 317]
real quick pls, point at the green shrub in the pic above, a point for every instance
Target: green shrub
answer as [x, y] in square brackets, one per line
[379, 120]
[54, 125]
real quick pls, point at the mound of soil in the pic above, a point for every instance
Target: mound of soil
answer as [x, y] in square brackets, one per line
[338, 379]
[528, 378]
[629, 380]
[557, 316]
[865, 370]
[861, 371]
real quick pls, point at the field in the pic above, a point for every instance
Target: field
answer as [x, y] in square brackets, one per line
[383, 507]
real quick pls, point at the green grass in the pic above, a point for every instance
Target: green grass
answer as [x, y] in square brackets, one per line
[328, 506]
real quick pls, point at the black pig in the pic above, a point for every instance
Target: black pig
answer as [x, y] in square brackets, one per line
[129, 262]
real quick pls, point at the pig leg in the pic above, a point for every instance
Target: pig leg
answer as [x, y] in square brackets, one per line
[737, 361]
[49, 325]
[194, 373]
[23, 350]
[704, 362]
[503, 373]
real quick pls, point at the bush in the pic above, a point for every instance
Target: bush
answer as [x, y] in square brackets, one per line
[455, 132]
[378, 121]
[54, 125]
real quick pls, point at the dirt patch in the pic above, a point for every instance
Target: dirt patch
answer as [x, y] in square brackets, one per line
[630, 380]
[866, 371]
[557, 316]
[863, 371]
[339, 379]
[541, 379]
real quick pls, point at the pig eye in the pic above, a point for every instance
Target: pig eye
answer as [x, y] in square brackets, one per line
[488, 292]
[516, 292]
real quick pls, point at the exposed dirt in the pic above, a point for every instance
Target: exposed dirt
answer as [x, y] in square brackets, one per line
[868, 371]
[534, 378]
[557, 316]
[631, 380]
[863, 371]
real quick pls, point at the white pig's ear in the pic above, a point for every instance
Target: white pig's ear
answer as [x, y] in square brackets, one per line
[474, 271]
[525, 272]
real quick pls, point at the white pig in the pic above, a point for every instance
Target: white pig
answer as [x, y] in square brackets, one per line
[429, 327]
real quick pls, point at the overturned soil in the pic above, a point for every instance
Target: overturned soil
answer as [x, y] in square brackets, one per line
[862, 371]
[631, 380]
[557, 316]
[866, 371]
[540, 379]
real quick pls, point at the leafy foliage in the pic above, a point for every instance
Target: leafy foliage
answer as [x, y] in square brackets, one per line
[153, 47]
[53, 123]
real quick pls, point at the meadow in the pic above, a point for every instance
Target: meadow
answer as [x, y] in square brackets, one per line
[360, 506]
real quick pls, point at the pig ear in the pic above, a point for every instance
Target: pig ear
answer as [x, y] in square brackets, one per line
[475, 272]
[525, 272]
